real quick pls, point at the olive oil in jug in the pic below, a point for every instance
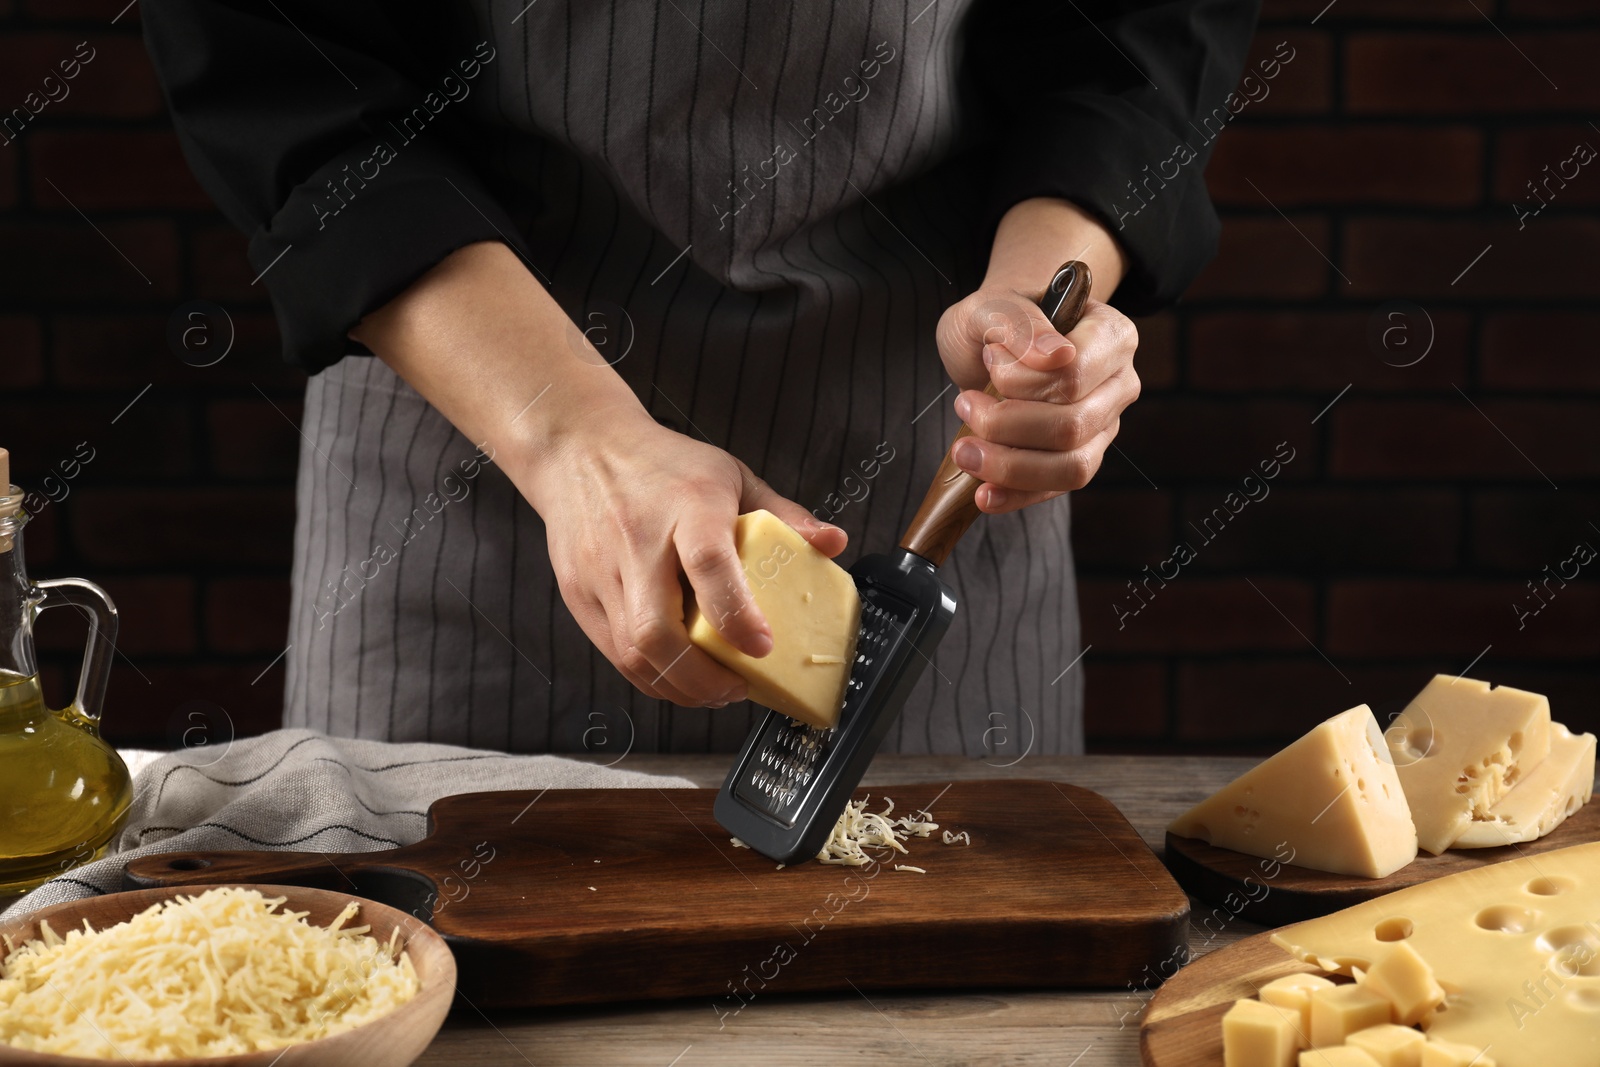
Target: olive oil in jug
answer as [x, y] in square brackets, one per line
[64, 792]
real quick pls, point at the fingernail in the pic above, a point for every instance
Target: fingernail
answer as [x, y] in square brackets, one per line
[996, 498]
[760, 645]
[990, 355]
[1049, 342]
[963, 407]
[967, 455]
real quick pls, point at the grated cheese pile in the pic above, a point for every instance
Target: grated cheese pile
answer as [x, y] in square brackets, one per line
[215, 974]
[859, 829]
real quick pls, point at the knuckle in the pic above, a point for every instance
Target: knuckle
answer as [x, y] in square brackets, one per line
[1080, 469]
[1069, 430]
[634, 661]
[651, 635]
[710, 556]
[997, 466]
[1063, 388]
[569, 579]
[981, 419]
[1122, 333]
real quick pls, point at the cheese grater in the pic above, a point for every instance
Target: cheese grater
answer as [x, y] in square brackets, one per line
[791, 782]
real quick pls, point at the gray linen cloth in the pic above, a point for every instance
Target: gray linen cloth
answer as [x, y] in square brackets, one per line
[299, 790]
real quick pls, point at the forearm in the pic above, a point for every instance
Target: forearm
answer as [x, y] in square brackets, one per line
[1036, 236]
[487, 346]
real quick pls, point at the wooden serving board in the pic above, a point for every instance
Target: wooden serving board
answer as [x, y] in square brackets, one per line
[1276, 894]
[1182, 1025]
[577, 896]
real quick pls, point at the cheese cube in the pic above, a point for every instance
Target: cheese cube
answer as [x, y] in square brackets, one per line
[1337, 1056]
[810, 604]
[1405, 980]
[1258, 1035]
[1293, 992]
[1331, 799]
[1453, 1054]
[1390, 1045]
[1339, 1012]
[1562, 783]
[1460, 747]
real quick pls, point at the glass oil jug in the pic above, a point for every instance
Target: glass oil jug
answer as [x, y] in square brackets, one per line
[64, 793]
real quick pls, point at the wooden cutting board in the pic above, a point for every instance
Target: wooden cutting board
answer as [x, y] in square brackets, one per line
[1182, 1025]
[590, 895]
[1275, 894]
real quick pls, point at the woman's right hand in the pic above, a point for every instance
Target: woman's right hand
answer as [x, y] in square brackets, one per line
[628, 506]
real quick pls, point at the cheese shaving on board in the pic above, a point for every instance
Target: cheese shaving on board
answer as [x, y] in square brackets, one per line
[859, 829]
[216, 974]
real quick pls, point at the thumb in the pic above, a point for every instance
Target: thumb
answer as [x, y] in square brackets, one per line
[827, 539]
[990, 328]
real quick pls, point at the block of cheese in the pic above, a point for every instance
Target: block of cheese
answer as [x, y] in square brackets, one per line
[1561, 784]
[1405, 980]
[1451, 1054]
[1390, 1045]
[1516, 946]
[1338, 1056]
[1341, 1010]
[1258, 1035]
[810, 604]
[1460, 746]
[1331, 796]
[1293, 993]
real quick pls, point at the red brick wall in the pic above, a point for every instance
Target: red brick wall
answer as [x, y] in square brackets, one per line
[1385, 157]
[185, 512]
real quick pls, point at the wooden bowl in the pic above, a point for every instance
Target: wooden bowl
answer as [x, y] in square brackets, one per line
[394, 1040]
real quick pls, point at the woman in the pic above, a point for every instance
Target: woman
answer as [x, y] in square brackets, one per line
[629, 270]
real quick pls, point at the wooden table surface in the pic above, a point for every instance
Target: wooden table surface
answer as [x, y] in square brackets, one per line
[1063, 1029]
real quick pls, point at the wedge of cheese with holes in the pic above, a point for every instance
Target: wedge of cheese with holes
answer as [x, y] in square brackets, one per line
[810, 604]
[1460, 747]
[1562, 783]
[1515, 946]
[1331, 797]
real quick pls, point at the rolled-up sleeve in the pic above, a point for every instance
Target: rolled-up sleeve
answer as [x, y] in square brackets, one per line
[323, 134]
[1114, 106]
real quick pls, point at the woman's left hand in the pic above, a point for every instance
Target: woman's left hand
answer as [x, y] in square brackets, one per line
[1064, 397]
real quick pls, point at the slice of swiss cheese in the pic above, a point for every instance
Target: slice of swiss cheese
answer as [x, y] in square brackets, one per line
[1516, 946]
[1562, 783]
[811, 606]
[1332, 797]
[1460, 747]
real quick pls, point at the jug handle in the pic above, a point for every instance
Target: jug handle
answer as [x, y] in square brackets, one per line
[97, 607]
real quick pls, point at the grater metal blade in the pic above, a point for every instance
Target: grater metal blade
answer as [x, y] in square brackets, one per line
[791, 782]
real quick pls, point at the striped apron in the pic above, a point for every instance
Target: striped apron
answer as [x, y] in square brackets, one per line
[758, 221]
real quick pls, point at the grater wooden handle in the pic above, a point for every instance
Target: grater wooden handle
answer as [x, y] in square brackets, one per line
[950, 507]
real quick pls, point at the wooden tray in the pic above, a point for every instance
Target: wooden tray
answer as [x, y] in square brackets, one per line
[591, 895]
[1282, 893]
[1182, 1026]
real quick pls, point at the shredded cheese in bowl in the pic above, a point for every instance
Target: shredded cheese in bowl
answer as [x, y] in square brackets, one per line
[216, 974]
